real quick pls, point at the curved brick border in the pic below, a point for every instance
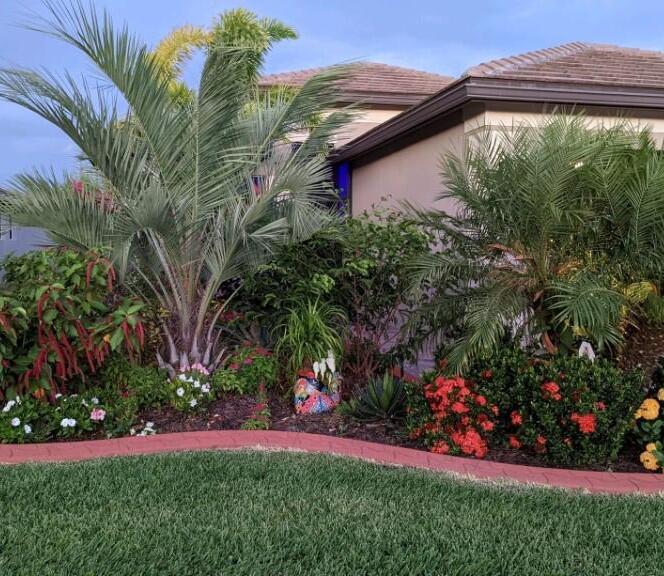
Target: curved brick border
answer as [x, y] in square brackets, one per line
[608, 482]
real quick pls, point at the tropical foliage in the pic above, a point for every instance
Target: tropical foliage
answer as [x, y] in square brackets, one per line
[237, 28]
[357, 264]
[559, 235]
[186, 198]
[60, 319]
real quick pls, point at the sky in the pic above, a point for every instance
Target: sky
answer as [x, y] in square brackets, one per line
[435, 35]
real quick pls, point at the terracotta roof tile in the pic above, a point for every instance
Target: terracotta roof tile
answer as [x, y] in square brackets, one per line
[372, 78]
[580, 62]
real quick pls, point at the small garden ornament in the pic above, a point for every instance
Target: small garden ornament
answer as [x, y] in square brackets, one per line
[317, 390]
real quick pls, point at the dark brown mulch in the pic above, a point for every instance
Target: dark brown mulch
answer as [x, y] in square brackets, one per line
[643, 348]
[230, 411]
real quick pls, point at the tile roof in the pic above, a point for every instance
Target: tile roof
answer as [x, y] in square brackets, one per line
[580, 62]
[372, 78]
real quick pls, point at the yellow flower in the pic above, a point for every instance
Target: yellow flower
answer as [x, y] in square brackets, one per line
[651, 447]
[649, 461]
[649, 409]
[660, 394]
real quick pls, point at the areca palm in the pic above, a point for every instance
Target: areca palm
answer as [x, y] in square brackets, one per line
[188, 197]
[555, 223]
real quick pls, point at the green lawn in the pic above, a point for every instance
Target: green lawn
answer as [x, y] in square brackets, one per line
[281, 514]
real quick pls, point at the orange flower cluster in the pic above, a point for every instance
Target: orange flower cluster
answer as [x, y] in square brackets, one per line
[460, 414]
[551, 391]
[587, 423]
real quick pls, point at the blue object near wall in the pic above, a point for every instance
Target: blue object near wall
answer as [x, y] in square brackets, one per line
[342, 182]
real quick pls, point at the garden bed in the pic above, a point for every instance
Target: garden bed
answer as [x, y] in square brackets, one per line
[232, 410]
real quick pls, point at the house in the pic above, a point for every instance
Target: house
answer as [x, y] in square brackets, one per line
[400, 158]
[381, 92]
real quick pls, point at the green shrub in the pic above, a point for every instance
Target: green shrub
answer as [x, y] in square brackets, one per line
[383, 399]
[146, 383]
[245, 371]
[568, 409]
[358, 265]
[60, 319]
[230, 382]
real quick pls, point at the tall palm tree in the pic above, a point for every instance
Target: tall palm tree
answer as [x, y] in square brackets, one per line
[557, 226]
[238, 28]
[194, 197]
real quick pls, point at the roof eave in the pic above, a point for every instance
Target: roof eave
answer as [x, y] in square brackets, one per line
[486, 89]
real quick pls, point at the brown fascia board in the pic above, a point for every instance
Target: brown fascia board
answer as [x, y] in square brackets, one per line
[415, 124]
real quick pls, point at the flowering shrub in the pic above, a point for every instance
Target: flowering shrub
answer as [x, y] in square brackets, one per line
[260, 415]
[454, 417]
[190, 390]
[59, 321]
[568, 409]
[28, 419]
[649, 429]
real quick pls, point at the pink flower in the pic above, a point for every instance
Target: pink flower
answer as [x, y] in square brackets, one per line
[248, 361]
[98, 415]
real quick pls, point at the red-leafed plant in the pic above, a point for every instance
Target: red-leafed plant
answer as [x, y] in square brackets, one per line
[458, 419]
[60, 319]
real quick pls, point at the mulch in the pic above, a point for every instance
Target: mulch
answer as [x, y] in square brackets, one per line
[231, 410]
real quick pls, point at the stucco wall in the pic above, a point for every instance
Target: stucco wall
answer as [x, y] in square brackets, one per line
[412, 173]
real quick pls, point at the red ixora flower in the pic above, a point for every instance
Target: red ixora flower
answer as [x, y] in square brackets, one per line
[470, 442]
[480, 400]
[440, 447]
[516, 418]
[551, 391]
[540, 443]
[459, 408]
[587, 423]
[514, 442]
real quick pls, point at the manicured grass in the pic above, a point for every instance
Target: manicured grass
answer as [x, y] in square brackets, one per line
[282, 514]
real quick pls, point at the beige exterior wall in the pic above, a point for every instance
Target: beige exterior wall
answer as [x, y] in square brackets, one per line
[412, 173]
[364, 121]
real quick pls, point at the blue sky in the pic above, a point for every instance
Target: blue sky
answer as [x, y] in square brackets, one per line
[437, 35]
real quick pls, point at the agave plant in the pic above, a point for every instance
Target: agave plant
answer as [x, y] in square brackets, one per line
[187, 197]
[382, 399]
[558, 227]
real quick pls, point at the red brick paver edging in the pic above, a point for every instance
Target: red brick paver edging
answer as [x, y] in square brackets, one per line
[606, 482]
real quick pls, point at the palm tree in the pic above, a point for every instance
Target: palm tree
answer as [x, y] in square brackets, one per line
[238, 28]
[197, 195]
[557, 225]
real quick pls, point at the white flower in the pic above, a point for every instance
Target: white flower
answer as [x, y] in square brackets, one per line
[205, 388]
[95, 400]
[190, 379]
[197, 384]
[27, 429]
[330, 361]
[132, 431]
[18, 400]
[84, 403]
[68, 422]
[16, 422]
[182, 378]
[58, 396]
[193, 402]
[9, 406]
[180, 392]
[149, 424]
